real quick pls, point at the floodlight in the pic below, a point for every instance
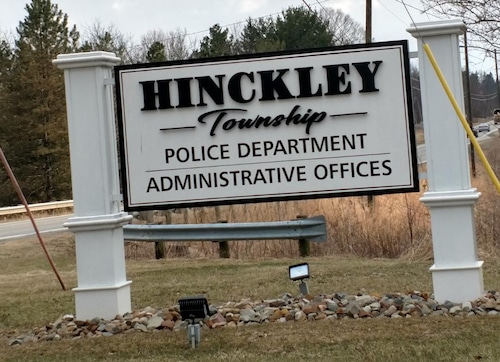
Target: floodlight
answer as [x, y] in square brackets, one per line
[300, 272]
[192, 308]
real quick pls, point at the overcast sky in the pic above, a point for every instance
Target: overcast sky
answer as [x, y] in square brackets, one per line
[136, 17]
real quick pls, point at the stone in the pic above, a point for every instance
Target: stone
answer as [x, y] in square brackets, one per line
[364, 300]
[448, 305]
[352, 308]
[408, 308]
[275, 316]
[247, 315]
[332, 305]
[168, 324]
[276, 303]
[391, 310]
[489, 304]
[364, 314]
[15, 341]
[310, 308]
[171, 316]
[425, 310]
[300, 316]
[212, 309]
[432, 304]
[321, 307]
[455, 310]
[467, 307]
[141, 327]
[230, 317]
[320, 316]
[149, 310]
[154, 322]
[244, 304]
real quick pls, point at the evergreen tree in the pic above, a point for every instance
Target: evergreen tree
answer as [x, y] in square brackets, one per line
[156, 52]
[489, 88]
[295, 28]
[35, 137]
[259, 36]
[6, 190]
[301, 28]
[218, 43]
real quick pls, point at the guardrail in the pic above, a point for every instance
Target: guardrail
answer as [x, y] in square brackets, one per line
[11, 210]
[303, 229]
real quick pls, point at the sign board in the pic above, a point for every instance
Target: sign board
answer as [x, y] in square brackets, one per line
[267, 127]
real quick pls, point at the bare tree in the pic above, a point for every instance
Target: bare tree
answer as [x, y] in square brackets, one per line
[175, 43]
[344, 28]
[108, 38]
[482, 18]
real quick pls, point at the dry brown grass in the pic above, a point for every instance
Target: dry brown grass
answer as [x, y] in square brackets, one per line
[394, 226]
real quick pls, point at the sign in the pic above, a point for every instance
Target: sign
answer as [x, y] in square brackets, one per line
[267, 127]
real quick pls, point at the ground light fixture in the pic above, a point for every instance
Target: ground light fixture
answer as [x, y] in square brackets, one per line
[300, 272]
[194, 309]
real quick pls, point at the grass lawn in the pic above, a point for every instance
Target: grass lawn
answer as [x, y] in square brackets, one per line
[32, 297]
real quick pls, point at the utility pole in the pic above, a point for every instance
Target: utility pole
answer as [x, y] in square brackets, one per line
[368, 22]
[496, 70]
[368, 39]
[468, 103]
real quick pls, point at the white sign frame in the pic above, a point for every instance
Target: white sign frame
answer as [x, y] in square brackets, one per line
[333, 122]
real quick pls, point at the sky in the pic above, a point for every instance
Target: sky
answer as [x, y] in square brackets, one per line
[390, 18]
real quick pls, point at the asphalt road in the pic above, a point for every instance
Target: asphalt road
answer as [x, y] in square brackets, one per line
[23, 228]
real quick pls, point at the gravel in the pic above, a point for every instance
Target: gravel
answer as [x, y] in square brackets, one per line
[287, 309]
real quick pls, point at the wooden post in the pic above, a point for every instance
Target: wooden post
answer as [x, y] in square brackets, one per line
[304, 244]
[148, 216]
[223, 245]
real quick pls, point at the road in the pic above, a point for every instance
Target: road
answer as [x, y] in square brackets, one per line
[23, 228]
[483, 136]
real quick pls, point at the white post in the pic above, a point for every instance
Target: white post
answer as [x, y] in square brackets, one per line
[103, 290]
[456, 273]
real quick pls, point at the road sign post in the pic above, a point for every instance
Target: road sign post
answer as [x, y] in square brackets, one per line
[103, 290]
[457, 272]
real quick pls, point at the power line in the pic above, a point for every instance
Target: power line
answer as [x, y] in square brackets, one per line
[260, 17]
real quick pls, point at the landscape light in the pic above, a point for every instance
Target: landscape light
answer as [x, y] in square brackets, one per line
[300, 272]
[192, 309]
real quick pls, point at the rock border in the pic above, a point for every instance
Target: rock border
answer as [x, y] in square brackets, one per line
[246, 312]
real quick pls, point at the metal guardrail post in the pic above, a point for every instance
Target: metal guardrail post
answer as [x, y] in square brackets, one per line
[223, 245]
[304, 244]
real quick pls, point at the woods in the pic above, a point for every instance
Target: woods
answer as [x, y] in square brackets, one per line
[33, 126]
